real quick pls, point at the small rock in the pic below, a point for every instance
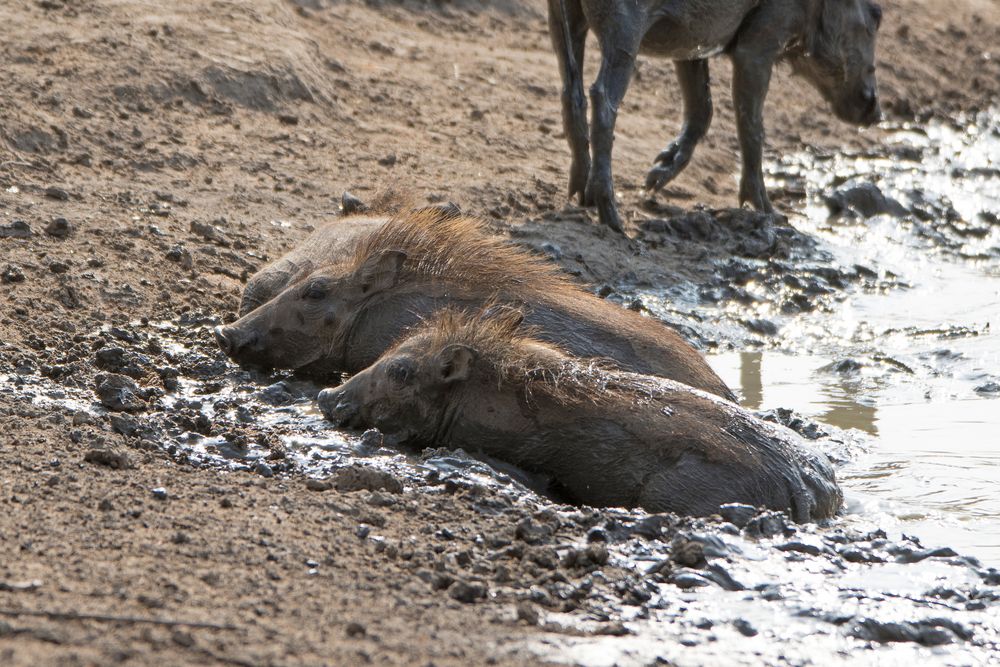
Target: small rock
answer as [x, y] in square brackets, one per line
[467, 592]
[990, 387]
[744, 627]
[263, 469]
[372, 440]
[58, 267]
[767, 524]
[613, 629]
[737, 514]
[288, 119]
[108, 457]
[360, 478]
[527, 612]
[12, 274]
[597, 534]
[180, 254]
[314, 484]
[18, 229]
[276, 394]
[159, 493]
[105, 505]
[59, 194]
[124, 424]
[355, 629]
[865, 199]
[800, 547]
[388, 161]
[119, 393]
[532, 532]
[59, 228]
[689, 579]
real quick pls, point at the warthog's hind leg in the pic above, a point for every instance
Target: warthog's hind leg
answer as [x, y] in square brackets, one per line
[697, 95]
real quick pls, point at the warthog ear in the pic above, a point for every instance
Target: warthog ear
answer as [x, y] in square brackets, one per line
[455, 362]
[381, 272]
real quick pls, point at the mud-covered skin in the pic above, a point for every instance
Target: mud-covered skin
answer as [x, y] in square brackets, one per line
[607, 438]
[343, 317]
[831, 43]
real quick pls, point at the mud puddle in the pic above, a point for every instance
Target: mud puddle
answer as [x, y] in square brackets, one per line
[916, 368]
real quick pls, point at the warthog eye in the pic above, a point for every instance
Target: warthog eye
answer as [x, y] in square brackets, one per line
[314, 292]
[399, 373]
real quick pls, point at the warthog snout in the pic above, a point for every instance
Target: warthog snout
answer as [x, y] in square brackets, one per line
[232, 341]
[337, 406]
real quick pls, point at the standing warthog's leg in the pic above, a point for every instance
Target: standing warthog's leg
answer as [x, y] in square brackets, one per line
[619, 38]
[568, 29]
[697, 94]
[751, 77]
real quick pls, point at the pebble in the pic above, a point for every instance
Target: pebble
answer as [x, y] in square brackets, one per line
[745, 627]
[17, 229]
[12, 273]
[467, 592]
[355, 629]
[59, 228]
[159, 493]
[737, 514]
[314, 484]
[52, 192]
[108, 457]
[527, 612]
[119, 393]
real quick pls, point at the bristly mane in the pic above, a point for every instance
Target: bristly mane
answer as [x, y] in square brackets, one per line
[511, 350]
[460, 250]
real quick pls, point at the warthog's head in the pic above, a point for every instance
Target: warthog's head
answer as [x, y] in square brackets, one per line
[403, 394]
[837, 56]
[307, 325]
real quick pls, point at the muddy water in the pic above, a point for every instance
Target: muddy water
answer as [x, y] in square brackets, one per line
[917, 369]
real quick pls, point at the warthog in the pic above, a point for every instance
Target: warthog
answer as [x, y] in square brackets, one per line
[829, 42]
[342, 317]
[605, 437]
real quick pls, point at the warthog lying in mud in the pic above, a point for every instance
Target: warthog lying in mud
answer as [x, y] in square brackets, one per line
[831, 43]
[342, 317]
[605, 437]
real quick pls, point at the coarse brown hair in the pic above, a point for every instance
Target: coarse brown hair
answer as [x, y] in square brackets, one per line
[460, 249]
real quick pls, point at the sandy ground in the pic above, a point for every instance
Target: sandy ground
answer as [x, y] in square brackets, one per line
[184, 144]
